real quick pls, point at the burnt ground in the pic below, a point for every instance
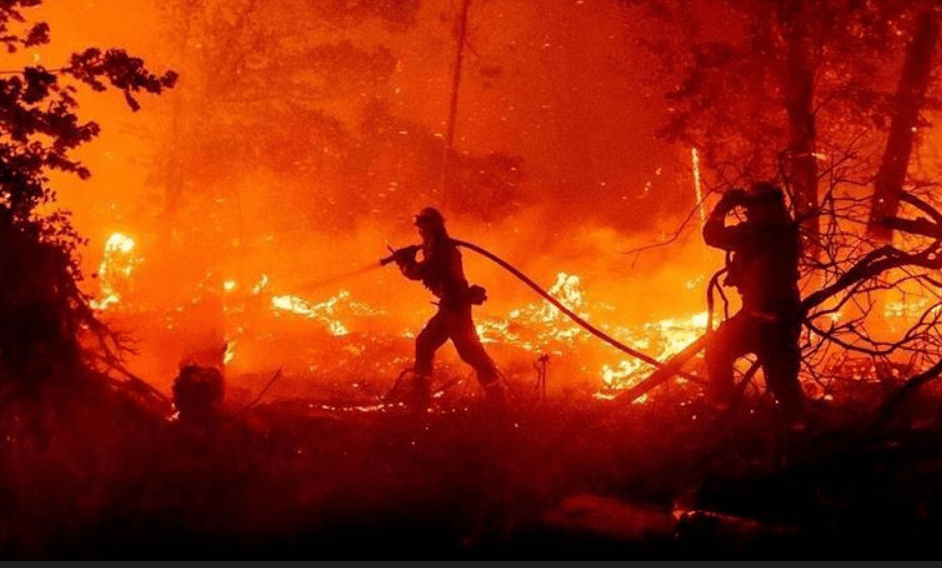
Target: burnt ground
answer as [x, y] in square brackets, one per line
[99, 477]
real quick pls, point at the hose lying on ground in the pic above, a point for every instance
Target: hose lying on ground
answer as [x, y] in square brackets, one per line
[569, 313]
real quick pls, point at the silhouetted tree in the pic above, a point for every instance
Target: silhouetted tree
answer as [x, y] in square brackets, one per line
[259, 127]
[907, 106]
[260, 84]
[44, 315]
[775, 88]
[803, 91]
[279, 108]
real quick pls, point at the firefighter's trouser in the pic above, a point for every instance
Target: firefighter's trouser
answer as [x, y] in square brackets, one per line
[775, 344]
[456, 324]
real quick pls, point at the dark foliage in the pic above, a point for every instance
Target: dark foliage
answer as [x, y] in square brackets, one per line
[43, 311]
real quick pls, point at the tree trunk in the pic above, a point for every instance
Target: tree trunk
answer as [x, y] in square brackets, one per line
[910, 95]
[802, 159]
[181, 16]
[453, 104]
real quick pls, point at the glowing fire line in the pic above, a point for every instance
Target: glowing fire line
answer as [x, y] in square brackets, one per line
[534, 327]
[322, 311]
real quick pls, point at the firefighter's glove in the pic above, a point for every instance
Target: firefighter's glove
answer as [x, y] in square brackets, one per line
[733, 198]
[406, 255]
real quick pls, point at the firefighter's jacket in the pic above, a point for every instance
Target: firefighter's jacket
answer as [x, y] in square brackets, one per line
[441, 271]
[764, 264]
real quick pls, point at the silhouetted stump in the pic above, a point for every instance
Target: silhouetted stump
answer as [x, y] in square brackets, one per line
[198, 392]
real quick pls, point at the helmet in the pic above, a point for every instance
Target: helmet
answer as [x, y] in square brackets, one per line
[764, 191]
[429, 215]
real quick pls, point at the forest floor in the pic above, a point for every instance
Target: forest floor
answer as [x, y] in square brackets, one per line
[102, 477]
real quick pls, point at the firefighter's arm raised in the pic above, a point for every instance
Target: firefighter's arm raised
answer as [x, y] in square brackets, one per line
[715, 232]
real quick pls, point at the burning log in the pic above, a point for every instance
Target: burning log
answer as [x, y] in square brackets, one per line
[607, 519]
[729, 531]
[665, 372]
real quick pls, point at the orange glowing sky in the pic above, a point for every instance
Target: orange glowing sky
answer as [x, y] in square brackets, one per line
[570, 99]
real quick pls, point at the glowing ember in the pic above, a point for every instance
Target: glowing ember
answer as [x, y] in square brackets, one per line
[230, 353]
[909, 308]
[261, 284]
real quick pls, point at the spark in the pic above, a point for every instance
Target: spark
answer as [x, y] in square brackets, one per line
[263, 281]
[230, 353]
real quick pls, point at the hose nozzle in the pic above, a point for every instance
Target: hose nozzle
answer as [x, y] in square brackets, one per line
[404, 254]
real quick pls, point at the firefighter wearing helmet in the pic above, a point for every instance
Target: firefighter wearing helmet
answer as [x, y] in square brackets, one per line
[764, 269]
[441, 271]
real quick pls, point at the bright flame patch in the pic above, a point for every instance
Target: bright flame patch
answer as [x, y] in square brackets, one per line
[323, 311]
[115, 269]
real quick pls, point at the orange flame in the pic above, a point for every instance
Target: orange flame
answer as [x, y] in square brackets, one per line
[323, 311]
[115, 269]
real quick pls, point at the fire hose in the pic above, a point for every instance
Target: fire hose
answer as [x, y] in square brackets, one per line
[667, 367]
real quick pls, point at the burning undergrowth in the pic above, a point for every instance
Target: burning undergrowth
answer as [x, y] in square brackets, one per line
[356, 326]
[337, 324]
[319, 459]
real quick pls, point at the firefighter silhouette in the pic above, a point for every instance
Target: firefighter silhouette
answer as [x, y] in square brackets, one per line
[764, 268]
[441, 271]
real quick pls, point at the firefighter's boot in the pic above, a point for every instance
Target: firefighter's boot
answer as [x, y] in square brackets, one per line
[421, 392]
[495, 396]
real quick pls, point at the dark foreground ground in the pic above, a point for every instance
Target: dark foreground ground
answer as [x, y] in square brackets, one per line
[101, 478]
